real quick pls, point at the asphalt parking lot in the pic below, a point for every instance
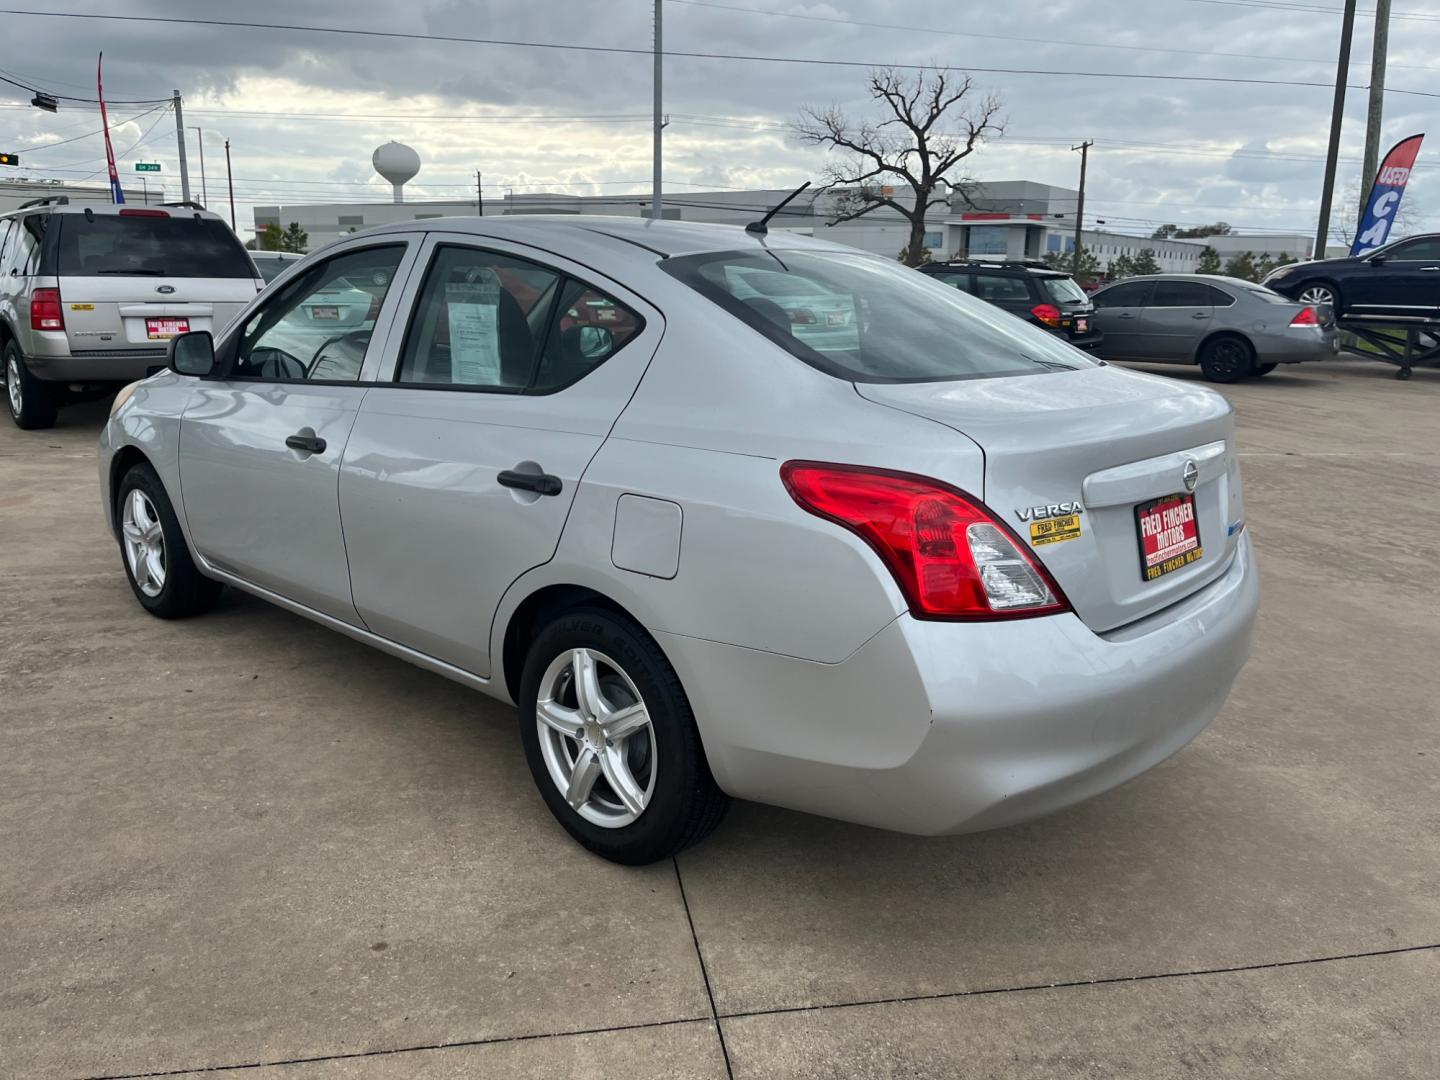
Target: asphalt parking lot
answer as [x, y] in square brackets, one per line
[245, 843]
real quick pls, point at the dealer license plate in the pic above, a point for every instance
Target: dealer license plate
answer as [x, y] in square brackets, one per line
[1169, 535]
[164, 329]
[1082, 326]
[325, 311]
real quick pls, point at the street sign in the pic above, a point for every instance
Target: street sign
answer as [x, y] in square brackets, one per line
[9, 159]
[147, 166]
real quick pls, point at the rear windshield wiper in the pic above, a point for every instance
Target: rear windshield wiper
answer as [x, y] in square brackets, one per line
[139, 271]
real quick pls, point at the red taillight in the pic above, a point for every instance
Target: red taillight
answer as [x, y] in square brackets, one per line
[45, 313]
[1306, 317]
[952, 558]
[802, 317]
[1048, 314]
[373, 312]
[144, 213]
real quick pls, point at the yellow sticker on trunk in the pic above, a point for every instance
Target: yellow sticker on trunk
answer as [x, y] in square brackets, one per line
[1053, 530]
[82, 307]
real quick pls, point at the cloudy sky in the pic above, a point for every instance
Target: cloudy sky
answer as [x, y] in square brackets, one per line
[303, 110]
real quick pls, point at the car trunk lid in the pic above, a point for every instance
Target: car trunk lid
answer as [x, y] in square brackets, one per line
[1109, 441]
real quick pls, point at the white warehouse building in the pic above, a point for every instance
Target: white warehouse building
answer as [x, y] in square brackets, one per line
[1005, 220]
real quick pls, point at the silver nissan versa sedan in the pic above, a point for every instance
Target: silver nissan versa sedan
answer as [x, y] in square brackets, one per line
[933, 571]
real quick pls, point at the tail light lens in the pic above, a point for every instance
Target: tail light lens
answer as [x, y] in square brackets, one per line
[952, 558]
[373, 311]
[45, 313]
[1306, 317]
[1048, 314]
[802, 317]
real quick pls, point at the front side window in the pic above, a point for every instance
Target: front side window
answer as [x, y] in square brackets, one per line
[1426, 247]
[490, 321]
[149, 243]
[318, 327]
[868, 319]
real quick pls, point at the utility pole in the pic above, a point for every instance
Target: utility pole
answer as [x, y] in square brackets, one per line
[200, 138]
[1084, 149]
[1337, 115]
[656, 200]
[180, 140]
[230, 183]
[479, 195]
[1377, 99]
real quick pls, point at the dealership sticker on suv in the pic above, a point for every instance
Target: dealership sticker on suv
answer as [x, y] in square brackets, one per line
[1055, 529]
[1169, 535]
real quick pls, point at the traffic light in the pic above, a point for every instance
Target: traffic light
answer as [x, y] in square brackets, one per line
[9, 159]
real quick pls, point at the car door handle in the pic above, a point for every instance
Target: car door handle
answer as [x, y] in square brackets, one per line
[1125, 315]
[540, 483]
[1200, 315]
[310, 444]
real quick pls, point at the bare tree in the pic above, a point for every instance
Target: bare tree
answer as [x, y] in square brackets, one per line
[928, 128]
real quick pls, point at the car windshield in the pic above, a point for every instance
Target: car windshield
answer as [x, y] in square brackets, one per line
[141, 245]
[867, 319]
[1063, 290]
[270, 267]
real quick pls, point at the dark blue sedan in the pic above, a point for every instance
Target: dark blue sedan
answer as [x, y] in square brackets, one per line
[1400, 280]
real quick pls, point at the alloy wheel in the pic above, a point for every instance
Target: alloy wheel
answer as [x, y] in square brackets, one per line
[1229, 359]
[12, 385]
[596, 738]
[144, 542]
[1317, 294]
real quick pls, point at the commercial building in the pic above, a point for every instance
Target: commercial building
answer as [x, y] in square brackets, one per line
[15, 193]
[1003, 220]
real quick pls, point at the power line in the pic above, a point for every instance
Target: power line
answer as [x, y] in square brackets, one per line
[90, 134]
[67, 97]
[629, 51]
[1260, 4]
[839, 20]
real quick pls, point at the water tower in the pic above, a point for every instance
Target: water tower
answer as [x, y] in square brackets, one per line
[397, 163]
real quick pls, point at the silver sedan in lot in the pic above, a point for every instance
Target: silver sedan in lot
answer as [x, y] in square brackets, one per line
[940, 573]
[1231, 327]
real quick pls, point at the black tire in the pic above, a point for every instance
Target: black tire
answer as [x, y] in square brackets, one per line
[685, 803]
[185, 591]
[37, 399]
[1227, 359]
[1263, 369]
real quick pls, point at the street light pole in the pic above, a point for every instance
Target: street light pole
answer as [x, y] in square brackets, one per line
[1084, 149]
[1337, 116]
[656, 200]
[230, 183]
[180, 141]
[1375, 114]
[200, 138]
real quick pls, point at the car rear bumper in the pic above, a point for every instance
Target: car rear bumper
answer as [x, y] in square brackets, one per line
[1300, 346]
[935, 727]
[110, 365]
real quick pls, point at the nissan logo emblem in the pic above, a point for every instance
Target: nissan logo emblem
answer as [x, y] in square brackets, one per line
[1190, 475]
[166, 289]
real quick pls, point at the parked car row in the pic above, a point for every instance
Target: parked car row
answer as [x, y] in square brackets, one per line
[1231, 328]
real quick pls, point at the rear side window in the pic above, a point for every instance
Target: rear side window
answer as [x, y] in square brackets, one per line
[1220, 298]
[140, 245]
[868, 319]
[1131, 294]
[994, 287]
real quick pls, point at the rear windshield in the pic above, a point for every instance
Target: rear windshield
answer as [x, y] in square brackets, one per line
[1064, 291]
[1268, 296]
[139, 246]
[270, 267]
[868, 319]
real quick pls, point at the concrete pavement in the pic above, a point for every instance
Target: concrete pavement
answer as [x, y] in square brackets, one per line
[244, 842]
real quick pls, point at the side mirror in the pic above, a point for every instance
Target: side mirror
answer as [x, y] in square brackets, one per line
[596, 342]
[1378, 260]
[192, 353]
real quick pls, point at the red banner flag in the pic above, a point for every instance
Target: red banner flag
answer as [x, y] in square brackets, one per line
[116, 195]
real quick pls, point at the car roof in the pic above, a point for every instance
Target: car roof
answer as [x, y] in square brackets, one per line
[62, 205]
[663, 238]
[997, 267]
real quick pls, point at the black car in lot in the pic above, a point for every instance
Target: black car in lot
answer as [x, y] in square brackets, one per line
[1398, 281]
[1048, 298]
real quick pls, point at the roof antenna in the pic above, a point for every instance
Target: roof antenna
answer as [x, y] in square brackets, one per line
[760, 228]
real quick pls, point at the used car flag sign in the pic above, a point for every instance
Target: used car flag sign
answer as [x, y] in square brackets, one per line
[1385, 194]
[116, 195]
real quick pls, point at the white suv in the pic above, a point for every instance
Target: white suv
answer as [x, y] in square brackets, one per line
[90, 295]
